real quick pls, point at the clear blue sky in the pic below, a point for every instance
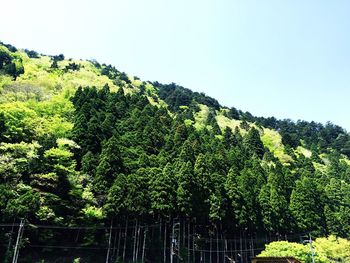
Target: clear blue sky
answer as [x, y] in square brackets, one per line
[289, 59]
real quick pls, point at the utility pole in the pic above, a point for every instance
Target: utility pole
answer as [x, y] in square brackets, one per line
[311, 249]
[19, 236]
[309, 240]
[174, 249]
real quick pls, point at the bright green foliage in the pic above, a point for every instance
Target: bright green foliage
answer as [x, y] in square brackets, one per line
[10, 63]
[326, 250]
[288, 249]
[332, 249]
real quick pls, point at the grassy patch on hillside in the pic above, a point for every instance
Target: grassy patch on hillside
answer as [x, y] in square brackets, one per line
[41, 78]
[273, 141]
[224, 122]
[301, 150]
[201, 117]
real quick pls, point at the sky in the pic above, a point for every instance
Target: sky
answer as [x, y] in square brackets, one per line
[282, 58]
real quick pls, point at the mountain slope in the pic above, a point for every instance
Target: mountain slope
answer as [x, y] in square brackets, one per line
[83, 144]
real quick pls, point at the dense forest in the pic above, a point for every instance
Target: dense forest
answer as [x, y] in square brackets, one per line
[99, 161]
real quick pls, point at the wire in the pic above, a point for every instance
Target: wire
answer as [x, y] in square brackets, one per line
[68, 247]
[227, 251]
[255, 239]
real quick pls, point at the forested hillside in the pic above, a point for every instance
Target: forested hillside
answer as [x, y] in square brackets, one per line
[88, 152]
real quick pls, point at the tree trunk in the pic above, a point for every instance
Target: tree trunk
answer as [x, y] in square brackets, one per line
[138, 242]
[134, 246]
[183, 233]
[109, 242]
[217, 245]
[193, 243]
[164, 241]
[235, 245]
[144, 244]
[251, 246]
[188, 242]
[210, 249]
[125, 238]
[160, 231]
[245, 247]
[114, 242]
[240, 245]
[119, 236]
[10, 239]
[171, 242]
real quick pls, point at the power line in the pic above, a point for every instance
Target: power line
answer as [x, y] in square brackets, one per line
[76, 227]
[68, 247]
[261, 238]
[227, 251]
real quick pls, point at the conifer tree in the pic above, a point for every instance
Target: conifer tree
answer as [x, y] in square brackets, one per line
[337, 207]
[162, 192]
[306, 205]
[110, 165]
[184, 194]
[253, 142]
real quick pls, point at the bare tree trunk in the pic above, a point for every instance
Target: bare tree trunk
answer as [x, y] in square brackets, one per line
[160, 231]
[184, 233]
[109, 242]
[144, 244]
[193, 242]
[10, 238]
[217, 245]
[245, 247]
[235, 245]
[231, 254]
[119, 237]
[223, 240]
[240, 245]
[210, 258]
[77, 236]
[134, 246]
[179, 238]
[252, 246]
[171, 241]
[125, 238]
[164, 241]
[138, 242]
[188, 241]
[114, 242]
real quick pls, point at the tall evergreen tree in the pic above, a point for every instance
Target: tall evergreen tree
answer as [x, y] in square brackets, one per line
[306, 206]
[110, 165]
